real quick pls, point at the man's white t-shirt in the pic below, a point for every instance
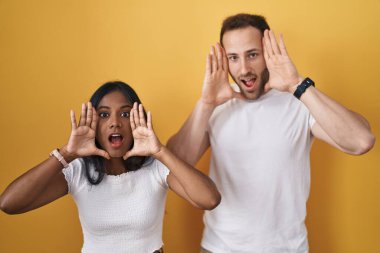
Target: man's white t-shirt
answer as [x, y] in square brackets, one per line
[260, 164]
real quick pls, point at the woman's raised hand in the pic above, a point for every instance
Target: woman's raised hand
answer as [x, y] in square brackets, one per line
[146, 142]
[82, 138]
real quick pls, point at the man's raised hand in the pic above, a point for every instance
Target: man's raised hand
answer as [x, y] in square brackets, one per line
[216, 87]
[283, 74]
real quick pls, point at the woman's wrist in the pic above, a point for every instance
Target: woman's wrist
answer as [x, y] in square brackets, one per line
[68, 156]
[160, 153]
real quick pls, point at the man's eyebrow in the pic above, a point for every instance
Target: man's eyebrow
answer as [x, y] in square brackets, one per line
[253, 50]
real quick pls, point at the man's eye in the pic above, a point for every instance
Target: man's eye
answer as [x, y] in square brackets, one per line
[253, 55]
[125, 114]
[103, 115]
[232, 58]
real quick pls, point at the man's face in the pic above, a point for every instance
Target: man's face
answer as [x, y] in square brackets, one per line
[246, 61]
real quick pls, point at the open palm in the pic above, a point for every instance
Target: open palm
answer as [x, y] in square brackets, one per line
[146, 142]
[216, 87]
[82, 138]
[282, 72]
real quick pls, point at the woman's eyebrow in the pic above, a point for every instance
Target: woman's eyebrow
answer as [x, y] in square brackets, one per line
[103, 107]
[107, 107]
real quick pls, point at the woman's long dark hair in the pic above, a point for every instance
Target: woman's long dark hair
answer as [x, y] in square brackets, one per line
[95, 165]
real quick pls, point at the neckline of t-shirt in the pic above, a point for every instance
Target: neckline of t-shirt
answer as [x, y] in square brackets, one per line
[121, 178]
[129, 173]
[235, 87]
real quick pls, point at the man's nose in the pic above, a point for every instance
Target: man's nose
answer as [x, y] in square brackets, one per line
[245, 68]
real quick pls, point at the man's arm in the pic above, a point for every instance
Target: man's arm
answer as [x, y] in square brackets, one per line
[192, 140]
[335, 124]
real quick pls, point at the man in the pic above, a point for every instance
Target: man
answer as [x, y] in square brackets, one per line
[260, 132]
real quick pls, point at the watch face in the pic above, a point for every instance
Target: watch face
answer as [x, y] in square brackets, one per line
[308, 81]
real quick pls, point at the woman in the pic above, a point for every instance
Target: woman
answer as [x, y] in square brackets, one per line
[117, 171]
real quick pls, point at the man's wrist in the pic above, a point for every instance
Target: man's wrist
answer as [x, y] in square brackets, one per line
[302, 87]
[206, 105]
[293, 87]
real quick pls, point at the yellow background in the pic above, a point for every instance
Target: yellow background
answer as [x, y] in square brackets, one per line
[54, 54]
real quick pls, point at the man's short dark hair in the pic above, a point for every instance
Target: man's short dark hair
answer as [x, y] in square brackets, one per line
[243, 20]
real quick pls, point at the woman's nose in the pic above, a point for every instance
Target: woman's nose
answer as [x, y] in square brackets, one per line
[115, 122]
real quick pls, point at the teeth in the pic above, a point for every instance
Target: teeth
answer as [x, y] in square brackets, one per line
[115, 135]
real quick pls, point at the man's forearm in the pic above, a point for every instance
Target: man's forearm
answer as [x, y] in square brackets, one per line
[192, 140]
[349, 130]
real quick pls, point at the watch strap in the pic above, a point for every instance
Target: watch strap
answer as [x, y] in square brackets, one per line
[301, 88]
[59, 156]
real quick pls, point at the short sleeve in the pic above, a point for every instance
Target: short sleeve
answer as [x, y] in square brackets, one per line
[311, 120]
[74, 175]
[161, 173]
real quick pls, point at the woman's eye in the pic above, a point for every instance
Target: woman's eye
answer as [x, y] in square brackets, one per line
[103, 115]
[125, 114]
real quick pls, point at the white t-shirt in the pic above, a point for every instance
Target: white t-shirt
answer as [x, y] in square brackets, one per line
[123, 213]
[260, 163]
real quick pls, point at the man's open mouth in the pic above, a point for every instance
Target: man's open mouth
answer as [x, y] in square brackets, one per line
[249, 82]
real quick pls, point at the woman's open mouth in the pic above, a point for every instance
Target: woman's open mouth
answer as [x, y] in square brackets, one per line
[116, 140]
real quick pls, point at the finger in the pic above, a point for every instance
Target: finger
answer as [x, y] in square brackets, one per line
[89, 113]
[273, 42]
[266, 55]
[282, 46]
[136, 115]
[82, 118]
[208, 65]
[225, 60]
[73, 120]
[142, 116]
[267, 45]
[94, 121]
[149, 123]
[219, 56]
[102, 153]
[132, 120]
[214, 66]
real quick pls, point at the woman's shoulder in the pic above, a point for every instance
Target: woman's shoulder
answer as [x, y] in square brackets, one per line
[75, 174]
[157, 169]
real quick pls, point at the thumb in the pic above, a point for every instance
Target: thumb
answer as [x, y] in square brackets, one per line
[102, 153]
[267, 87]
[129, 154]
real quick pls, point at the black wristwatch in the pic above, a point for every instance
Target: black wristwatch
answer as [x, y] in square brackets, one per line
[306, 83]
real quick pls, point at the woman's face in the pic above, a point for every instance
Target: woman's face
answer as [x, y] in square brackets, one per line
[113, 131]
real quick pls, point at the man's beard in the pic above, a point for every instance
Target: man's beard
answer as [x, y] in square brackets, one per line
[264, 77]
